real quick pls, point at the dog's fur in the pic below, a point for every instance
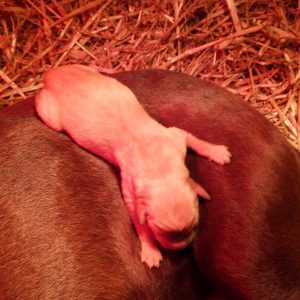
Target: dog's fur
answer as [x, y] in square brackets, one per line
[65, 233]
[103, 116]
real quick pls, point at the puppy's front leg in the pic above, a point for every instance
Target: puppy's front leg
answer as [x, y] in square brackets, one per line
[217, 153]
[150, 254]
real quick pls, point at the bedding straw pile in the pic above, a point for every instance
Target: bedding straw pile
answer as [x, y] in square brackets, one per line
[251, 47]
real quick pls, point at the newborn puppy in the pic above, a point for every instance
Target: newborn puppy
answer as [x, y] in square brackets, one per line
[103, 116]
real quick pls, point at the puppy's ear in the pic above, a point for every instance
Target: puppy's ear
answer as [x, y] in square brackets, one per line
[199, 189]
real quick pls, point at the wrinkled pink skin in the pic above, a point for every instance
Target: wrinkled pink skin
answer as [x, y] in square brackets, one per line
[103, 116]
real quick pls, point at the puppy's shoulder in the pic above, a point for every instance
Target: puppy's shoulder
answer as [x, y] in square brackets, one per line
[180, 137]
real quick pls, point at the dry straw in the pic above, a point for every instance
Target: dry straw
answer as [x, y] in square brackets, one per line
[249, 47]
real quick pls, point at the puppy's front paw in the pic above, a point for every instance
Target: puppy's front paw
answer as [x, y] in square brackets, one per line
[220, 154]
[151, 256]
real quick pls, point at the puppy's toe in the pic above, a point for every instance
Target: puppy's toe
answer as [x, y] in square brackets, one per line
[220, 154]
[151, 256]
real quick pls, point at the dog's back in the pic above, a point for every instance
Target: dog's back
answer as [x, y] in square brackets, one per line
[249, 239]
[65, 233]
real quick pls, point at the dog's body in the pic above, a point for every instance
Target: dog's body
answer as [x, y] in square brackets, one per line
[65, 233]
[103, 116]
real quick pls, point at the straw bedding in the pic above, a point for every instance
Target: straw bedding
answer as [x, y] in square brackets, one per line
[250, 47]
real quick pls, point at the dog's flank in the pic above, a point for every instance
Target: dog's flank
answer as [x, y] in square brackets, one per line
[65, 232]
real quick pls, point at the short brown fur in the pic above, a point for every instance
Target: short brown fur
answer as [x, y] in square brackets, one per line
[65, 233]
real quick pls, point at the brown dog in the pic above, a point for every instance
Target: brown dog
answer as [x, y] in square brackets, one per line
[65, 233]
[103, 116]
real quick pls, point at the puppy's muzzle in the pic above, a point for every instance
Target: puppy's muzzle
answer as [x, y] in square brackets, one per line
[175, 240]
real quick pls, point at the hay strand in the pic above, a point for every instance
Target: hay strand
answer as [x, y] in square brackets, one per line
[249, 47]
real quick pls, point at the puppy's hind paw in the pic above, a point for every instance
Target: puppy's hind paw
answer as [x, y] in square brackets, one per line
[151, 256]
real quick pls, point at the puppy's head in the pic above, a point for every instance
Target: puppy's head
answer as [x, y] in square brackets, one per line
[172, 212]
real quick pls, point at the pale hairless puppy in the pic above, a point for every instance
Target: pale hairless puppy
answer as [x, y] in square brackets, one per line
[103, 116]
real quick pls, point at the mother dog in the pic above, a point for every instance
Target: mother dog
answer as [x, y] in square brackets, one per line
[53, 245]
